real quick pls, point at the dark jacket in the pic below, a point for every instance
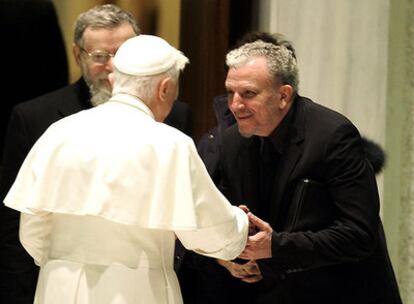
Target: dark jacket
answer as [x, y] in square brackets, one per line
[289, 280]
[33, 54]
[331, 247]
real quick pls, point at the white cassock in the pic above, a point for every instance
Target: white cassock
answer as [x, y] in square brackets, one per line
[103, 193]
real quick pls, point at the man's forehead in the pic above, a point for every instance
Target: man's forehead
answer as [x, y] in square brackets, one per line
[111, 36]
[247, 75]
[239, 83]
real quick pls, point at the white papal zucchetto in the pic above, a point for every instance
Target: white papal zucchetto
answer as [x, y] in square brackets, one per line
[147, 55]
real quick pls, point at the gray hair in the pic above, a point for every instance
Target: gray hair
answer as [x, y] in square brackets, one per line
[280, 60]
[102, 16]
[144, 86]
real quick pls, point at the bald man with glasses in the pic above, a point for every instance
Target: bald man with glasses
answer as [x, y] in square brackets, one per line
[98, 34]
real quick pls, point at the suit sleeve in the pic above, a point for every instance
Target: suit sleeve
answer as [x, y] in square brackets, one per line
[18, 273]
[353, 233]
[15, 150]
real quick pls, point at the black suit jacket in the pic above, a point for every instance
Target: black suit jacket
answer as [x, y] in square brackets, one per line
[33, 53]
[346, 261]
[28, 121]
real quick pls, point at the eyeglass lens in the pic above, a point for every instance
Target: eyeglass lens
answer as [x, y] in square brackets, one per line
[99, 56]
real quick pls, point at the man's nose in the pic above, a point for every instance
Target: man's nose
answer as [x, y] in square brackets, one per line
[109, 66]
[235, 102]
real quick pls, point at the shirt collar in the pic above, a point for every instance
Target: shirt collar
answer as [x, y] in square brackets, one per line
[133, 102]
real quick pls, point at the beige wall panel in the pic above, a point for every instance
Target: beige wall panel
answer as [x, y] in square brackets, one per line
[159, 17]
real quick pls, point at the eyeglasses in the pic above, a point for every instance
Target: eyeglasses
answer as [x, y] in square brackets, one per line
[98, 56]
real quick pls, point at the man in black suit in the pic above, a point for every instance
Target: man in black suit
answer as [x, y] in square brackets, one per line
[98, 34]
[31, 36]
[301, 170]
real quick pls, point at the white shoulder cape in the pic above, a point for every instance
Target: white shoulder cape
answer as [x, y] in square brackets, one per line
[115, 161]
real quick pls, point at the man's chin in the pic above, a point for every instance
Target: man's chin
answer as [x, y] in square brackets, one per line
[105, 84]
[245, 134]
[100, 96]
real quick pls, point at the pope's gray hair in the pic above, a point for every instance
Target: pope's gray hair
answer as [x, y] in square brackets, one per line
[280, 60]
[144, 86]
[107, 16]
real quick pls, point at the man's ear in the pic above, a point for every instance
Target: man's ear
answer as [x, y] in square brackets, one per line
[286, 94]
[76, 51]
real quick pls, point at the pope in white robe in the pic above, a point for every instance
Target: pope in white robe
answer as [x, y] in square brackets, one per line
[105, 192]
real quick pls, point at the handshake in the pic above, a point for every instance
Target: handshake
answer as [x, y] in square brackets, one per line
[258, 246]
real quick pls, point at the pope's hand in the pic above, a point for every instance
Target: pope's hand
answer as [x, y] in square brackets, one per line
[252, 228]
[248, 272]
[253, 270]
[244, 208]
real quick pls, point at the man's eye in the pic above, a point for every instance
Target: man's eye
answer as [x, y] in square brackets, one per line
[249, 94]
[100, 57]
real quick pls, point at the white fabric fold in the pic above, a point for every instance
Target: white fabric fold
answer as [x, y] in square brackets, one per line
[150, 183]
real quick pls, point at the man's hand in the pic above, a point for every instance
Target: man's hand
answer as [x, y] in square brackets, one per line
[259, 245]
[248, 272]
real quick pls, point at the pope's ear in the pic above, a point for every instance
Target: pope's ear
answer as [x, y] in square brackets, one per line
[111, 79]
[164, 87]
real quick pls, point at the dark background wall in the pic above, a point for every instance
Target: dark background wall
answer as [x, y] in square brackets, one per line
[208, 29]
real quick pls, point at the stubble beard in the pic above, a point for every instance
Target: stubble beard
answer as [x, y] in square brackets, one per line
[245, 135]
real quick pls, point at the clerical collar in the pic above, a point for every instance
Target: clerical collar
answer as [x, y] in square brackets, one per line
[133, 102]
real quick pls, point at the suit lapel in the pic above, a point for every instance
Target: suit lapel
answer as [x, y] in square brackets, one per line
[76, 99]
[291, 154]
